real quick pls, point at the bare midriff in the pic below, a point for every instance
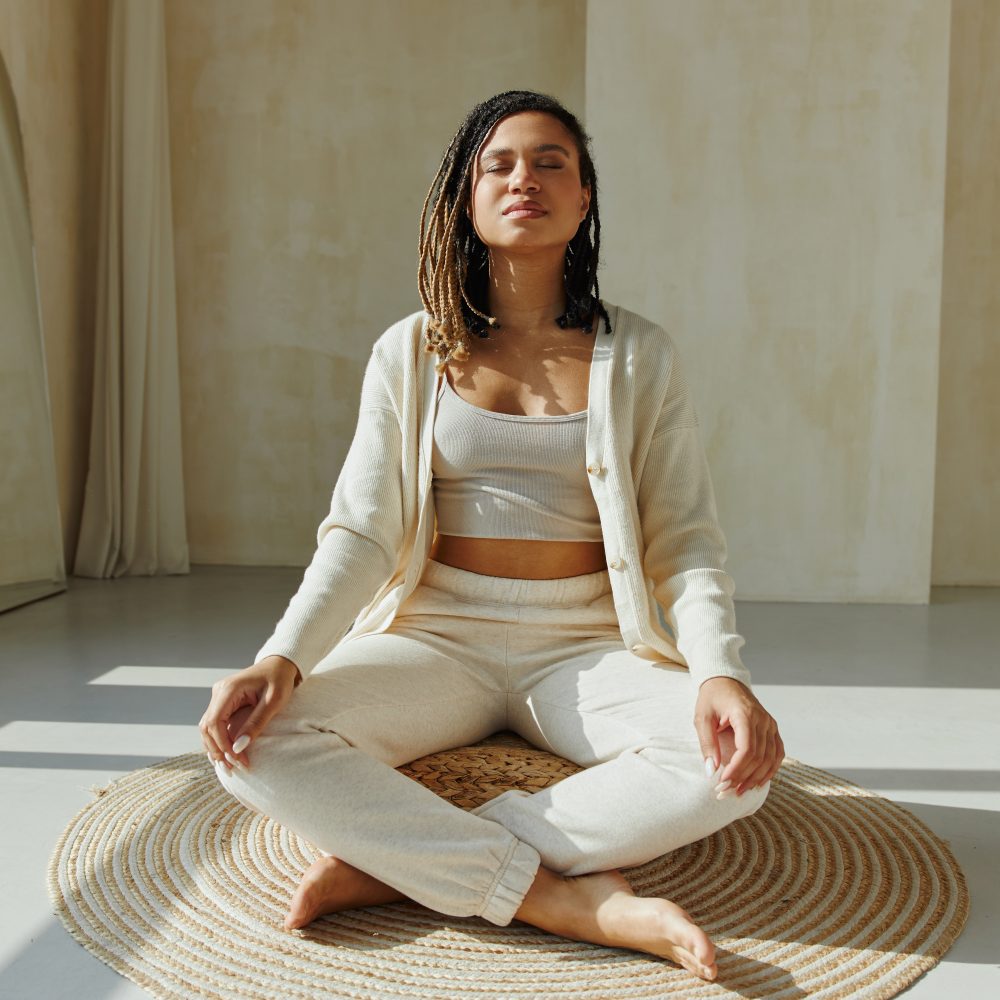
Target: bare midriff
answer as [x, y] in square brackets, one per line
[525, 558]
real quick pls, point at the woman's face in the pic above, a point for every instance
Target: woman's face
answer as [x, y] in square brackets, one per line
[528, 155]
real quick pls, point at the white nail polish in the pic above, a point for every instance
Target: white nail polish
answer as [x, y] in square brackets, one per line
[725, 794]
[710, 767]
[241, 744]
[723, 785]
[234, 761]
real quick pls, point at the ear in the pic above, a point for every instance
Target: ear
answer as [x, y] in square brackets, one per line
[585, 201]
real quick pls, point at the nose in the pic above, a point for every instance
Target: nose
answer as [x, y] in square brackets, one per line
[523, 178]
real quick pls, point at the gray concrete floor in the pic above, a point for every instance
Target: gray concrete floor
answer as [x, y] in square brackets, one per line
[114, 675]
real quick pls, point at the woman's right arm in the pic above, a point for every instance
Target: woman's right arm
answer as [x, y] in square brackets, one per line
[357, 547]
[359, 540]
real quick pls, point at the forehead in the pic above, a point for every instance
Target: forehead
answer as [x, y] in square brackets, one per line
[528, 129]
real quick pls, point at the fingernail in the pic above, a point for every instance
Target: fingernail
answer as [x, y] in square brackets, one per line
[235, 762]
[724, 794]
[709, 767]
[241, 744]
[723, 785]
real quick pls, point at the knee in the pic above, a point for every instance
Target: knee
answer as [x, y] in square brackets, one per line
[756, 797]
[705, 798]
[234, 785]
[747, 803]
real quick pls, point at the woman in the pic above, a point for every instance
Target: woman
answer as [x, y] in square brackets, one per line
[513, 507]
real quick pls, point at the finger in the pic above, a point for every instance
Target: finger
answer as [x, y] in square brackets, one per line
[225, 702]
[755, 778]
[253, 723]
[211, 748]
[238, 726]
[705, 724]
[767, 767]
[741, 764]
[779, 753]
[745, 757]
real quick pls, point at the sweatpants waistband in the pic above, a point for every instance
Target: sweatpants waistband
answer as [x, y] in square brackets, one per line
[565, 591]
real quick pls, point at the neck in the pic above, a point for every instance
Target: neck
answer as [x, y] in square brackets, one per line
[526, 293]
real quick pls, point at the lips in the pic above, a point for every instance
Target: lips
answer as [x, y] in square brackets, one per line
[522, 206]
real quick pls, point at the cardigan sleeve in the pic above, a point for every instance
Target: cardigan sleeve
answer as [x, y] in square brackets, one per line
[357, 541]
[685, 549]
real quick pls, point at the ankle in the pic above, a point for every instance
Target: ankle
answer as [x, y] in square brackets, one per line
[541, 900]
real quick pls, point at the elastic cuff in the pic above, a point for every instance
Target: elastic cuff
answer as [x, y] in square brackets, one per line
[743, 676]
[513, 881]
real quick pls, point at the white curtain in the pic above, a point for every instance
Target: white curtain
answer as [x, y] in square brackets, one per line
[133, 512]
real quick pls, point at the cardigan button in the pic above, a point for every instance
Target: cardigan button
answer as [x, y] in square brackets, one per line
[595, 468]
[616, 564]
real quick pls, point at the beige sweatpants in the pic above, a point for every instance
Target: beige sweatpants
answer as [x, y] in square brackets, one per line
[468, 655]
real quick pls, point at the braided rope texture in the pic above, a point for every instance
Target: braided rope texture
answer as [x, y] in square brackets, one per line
[828, 890]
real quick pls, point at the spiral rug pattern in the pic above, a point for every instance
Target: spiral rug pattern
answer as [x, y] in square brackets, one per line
[828, 890]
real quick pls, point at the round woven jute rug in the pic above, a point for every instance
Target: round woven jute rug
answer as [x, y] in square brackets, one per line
[828, 890]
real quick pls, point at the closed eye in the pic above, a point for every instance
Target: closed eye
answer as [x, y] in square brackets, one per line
[545, 166]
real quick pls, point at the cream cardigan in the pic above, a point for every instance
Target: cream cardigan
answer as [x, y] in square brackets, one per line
[647, 470]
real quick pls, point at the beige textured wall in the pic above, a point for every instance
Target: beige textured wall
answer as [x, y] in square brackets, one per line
[967, 493]
[304, 138]
[54, 51]
[774, 187]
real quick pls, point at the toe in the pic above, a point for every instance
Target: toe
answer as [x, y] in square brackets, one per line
[693, 946]
[293, 918]
[299, 909]
[692, 963]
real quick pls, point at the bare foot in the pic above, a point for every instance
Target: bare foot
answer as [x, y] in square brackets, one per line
[331, 884]
[603, 909]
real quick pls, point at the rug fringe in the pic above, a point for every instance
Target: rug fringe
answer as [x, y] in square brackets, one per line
[98, 790]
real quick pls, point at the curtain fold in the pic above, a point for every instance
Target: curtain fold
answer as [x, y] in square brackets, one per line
[32, 562]
[133, 512]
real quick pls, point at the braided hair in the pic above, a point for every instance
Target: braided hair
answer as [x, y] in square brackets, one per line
[453, 268]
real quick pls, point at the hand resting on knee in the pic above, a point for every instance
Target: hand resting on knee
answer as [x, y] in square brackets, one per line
[242, 705]
[737, 735]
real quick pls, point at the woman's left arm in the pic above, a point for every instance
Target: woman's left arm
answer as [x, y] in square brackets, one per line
[685, 555]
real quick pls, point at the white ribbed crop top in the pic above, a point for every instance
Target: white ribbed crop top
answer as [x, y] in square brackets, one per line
[509, 475]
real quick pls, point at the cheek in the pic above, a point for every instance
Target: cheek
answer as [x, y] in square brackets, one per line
[486, 204]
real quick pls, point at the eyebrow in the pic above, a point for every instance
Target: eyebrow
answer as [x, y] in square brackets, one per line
[544, 147]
